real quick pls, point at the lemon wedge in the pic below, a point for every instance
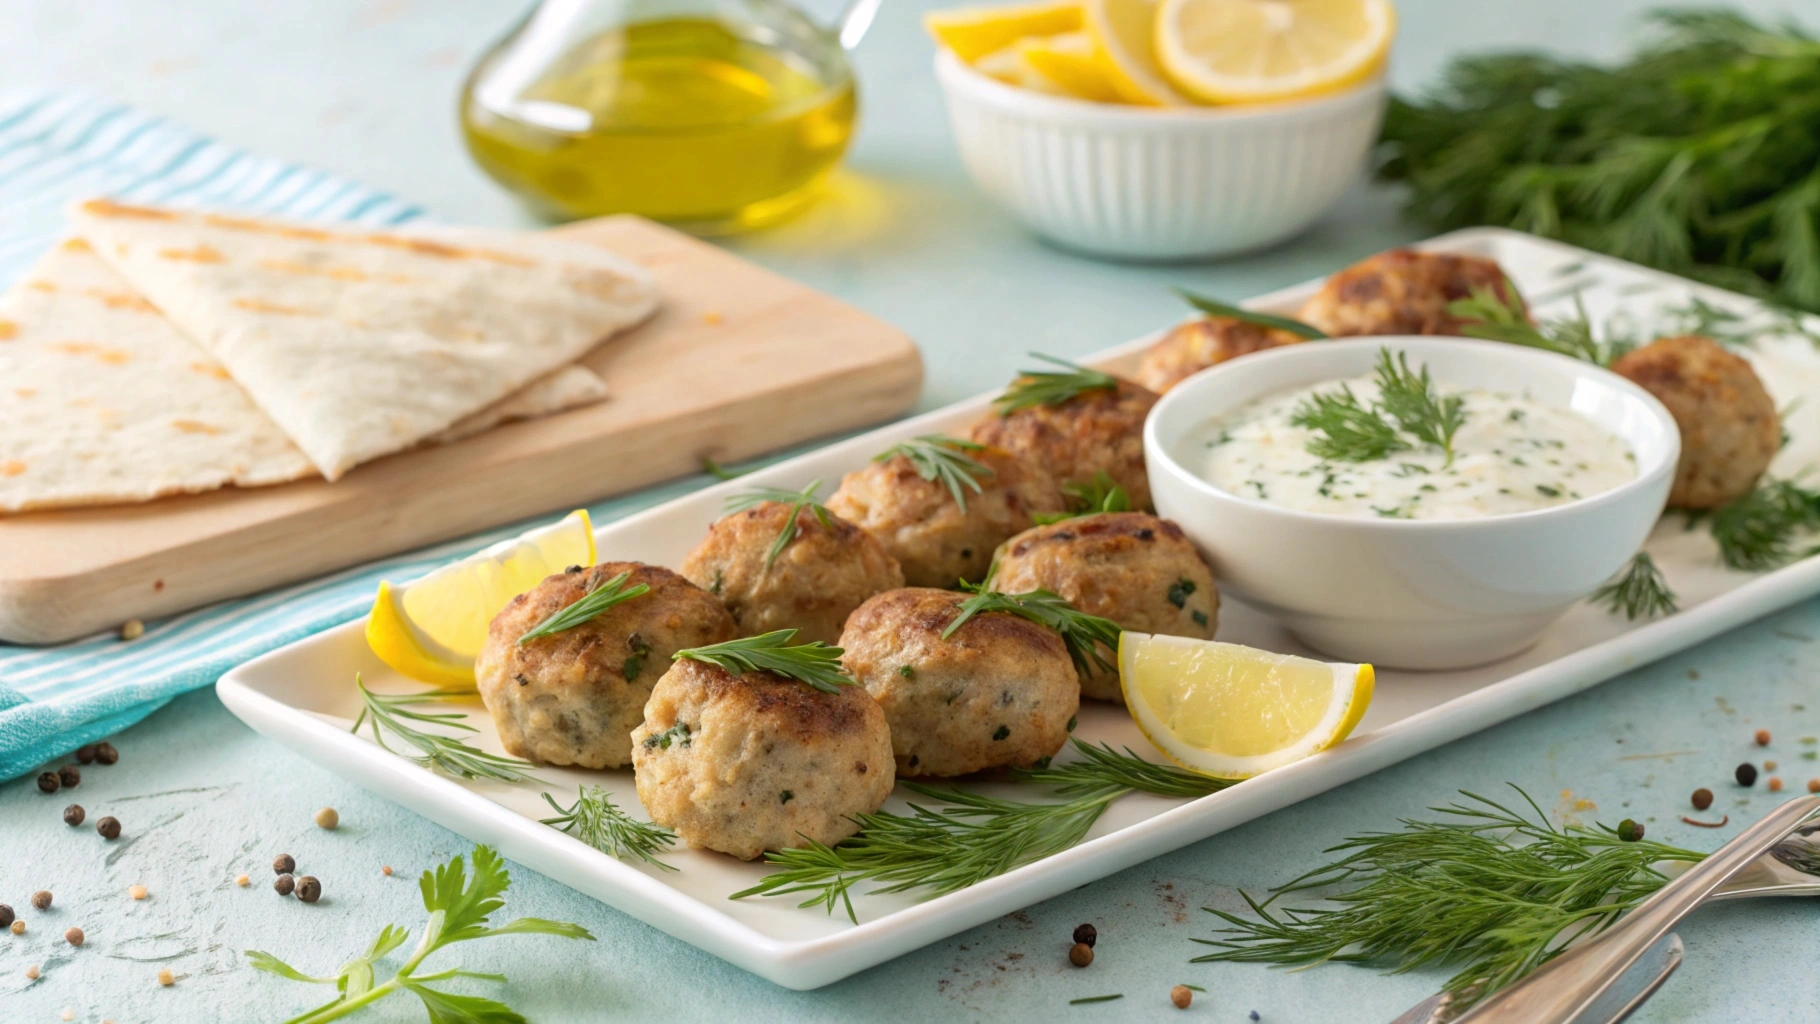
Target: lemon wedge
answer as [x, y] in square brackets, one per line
[432, 628]
[1252, 51]
[1231, 711]
[973, 32]
[1124, 34]
[1012, 67]
[1069, 60]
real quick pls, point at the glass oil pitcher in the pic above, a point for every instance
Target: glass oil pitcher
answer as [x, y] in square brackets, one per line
[712, 115]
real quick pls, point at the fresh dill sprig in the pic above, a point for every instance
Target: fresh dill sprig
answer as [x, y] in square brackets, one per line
[1348, 430]
[1096, 999]
[459, 911]
[1101, 494]
[1489, 314]
[1410, 398]
[449, 754]
[1738, 330]
[949, 460]
[592, 604]
[1051, 387]
[797, 500]
[1084, 634]
[1639, 592]
[1758, 531]
[720, 472]
[815, 664]
[971, 837]
[1487, 890]
[596, 820]
[1214, 307]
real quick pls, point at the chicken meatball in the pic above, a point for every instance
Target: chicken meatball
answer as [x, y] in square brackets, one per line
[998, 693]
[1135, 569]
[1729, 426]
[1403, 292]
[1097, 431]
[935, 538]
[1198, 344]
[754, 762]
[823, 573]
[574, 697]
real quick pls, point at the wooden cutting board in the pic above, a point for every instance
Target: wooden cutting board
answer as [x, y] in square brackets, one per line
[737, 362]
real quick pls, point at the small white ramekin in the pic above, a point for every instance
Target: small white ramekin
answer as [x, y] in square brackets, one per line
[1424, 593]
[1146, 183]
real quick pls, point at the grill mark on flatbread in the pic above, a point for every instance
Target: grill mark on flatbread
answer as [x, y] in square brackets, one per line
[41, 286]
[121, 300]
[426, 247]
[215, 370]
[109, 208]
[8, 330]
[222, 220]
[262, 306]
[112, 356]
[201, 254]
[334, 273]
[195, 427]
[25, 392]
[420, 246]
[12, 467]
[77, 245]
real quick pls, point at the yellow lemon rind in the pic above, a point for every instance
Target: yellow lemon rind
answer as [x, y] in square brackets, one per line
[1186, 74]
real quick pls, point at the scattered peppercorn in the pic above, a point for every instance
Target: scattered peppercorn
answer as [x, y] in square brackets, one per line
[165, 977]
[1254, 1015]
[1181, 997]
[284, 884]
[1769, 766]
[1775, 784]
[327, 818]
[1762, 737]
[1629, 830]
[31, 973]
[309, 890]
[132, 629]
[74, 936]
[69, 775]
[42, 899]
[386, 869]
[73, 815]
[242, 880]
[49, 782]
[18, 927]
[1080, 955]
[1813, 785]
[1703, 798]
[1746, 774]
[109, 827]
[86, 753]
[1087, 934]
[137, 892]
[283, 864]
[106, 754]
[6, 916]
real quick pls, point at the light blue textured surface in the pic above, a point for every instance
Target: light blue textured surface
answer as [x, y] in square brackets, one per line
[364, 89]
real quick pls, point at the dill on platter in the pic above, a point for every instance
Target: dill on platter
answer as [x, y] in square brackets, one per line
[1639, 592]
[596, 820]
[1758, 531]
[449, 754]
[948, 460]
[1084, 634]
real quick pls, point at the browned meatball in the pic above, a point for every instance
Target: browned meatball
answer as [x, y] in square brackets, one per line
[574, 697]
[826, 570]
[1402, 292]
[998, 693]
[935, 539]
[1135, 569]
[1729, 426]
[754, 762]
[1095, 431]
[1198, 344]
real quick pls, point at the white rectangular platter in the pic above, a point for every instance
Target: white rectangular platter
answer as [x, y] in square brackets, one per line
[302, 695]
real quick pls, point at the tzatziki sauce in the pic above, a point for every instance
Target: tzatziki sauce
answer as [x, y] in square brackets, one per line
[1510, 454]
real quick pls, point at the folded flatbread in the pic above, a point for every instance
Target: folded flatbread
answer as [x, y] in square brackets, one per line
[103, 400]
[358, 343]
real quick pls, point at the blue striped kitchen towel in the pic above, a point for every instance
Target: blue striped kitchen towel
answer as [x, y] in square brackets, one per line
[56, 147]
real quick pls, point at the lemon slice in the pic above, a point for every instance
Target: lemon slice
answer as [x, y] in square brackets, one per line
[1231, 711]
[432, 628]
[1124, 34]
[1251, 51]
[1012, 67]
[1069, 61]
[973, 32]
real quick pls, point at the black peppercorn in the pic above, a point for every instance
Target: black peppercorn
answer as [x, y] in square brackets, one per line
[73, 815]
[1746, 774]
[1630, 831]
[309, 890]
[109, 827]
[70, 775]
[6, 916]
[86, 753]
[49, 782]
[1086, 935]
[106, 754]
[283, 864]
[1080, 954]
[284, 884]
[42, 899]
[1703, 798]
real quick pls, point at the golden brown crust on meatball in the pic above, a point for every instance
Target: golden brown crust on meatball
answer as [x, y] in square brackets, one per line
[1198, 344]
[1135, 569]
[998, 693]
[1402, 291]
[1096, 431]
[818, 578]
[1730, 429]
[754, 762]
[934, 540]
[566, 698]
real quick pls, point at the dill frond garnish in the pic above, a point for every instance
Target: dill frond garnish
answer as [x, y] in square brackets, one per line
[1101, 494]
[449, 754]
[596, 820]
[815, 665]
[1738, 330]
[970, 837]
[1410, 398]
[1051, 387]
[1489, 314]
[1486, 889]
[592, 604]
[948, 460]
[1214, 307]
[1757, 532]
[1639, 592]
[1084, 634]
[797, 500]
[1349, 430]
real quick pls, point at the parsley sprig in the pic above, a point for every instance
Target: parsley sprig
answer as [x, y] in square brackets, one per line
[1051, 387]
[590, 606]
[1089, 498]
[459, 911]
[815, 665]
[1084, 634]
[797, 500]
[392, 713]
[596, 820]
[948, 460]
[1407, 403]
[1639, 592]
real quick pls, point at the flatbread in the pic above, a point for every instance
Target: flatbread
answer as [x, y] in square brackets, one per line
[103, 400]
[359, 343]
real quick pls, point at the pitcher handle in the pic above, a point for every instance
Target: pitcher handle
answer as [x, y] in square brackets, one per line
[854, 20]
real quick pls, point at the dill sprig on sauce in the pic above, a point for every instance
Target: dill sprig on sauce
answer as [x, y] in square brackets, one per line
[1639, 592]
[449, 754]
[948, 460]
[1051, 387]
[1486, 890]
[1214, 307]
[1349, 431]
[970, 837]
[797, 500]
[1758, 531]
[596, 820]
[1101, 494]
[1410, 398]
[815, 664]
[592, 604]
[1084, 634]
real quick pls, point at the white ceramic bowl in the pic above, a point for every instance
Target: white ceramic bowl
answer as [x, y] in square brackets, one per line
[1146, 183]
[1421, 594]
